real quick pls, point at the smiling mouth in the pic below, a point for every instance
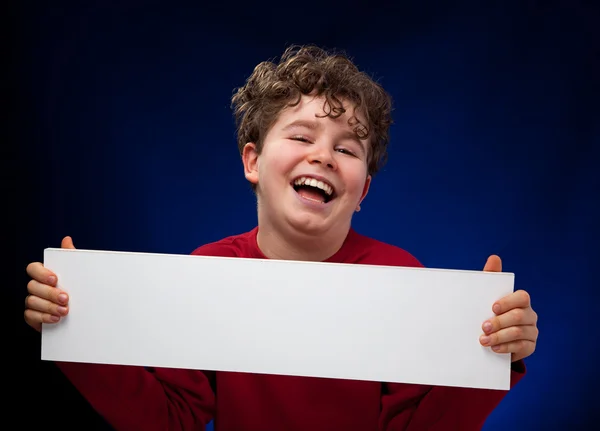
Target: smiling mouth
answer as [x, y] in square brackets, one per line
[313, 190]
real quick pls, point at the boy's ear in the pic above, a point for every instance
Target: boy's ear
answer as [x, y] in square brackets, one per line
[250, 160]
[365, 192]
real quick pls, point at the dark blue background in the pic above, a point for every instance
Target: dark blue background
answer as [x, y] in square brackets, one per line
[124, 139]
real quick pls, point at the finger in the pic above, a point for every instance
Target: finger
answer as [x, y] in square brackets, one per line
[44, 291]
[38, 272]
[36, 303]
[514, 317]
[520, 349]
[518, 299]
[493, 264]
[35, 319]
[508, 335]
[67, 242]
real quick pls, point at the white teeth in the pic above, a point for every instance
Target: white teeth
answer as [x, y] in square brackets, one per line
[314, 183]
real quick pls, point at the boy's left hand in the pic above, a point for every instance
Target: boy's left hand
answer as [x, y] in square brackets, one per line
[514, 328]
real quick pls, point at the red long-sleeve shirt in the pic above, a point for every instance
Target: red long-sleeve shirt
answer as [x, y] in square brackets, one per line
[136, 398]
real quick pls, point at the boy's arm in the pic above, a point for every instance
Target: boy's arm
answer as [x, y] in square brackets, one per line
[440, 408]
[134, 398]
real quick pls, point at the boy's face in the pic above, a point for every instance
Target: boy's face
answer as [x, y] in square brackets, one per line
[302, 154]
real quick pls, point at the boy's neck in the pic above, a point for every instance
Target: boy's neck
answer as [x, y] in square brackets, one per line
[298, 246]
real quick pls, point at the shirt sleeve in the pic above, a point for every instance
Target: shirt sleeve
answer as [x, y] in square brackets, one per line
[437, 408]
[136, 398]
[440, 408]
[132, 398]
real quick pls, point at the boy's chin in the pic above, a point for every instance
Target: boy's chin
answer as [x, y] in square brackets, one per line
[311, 224]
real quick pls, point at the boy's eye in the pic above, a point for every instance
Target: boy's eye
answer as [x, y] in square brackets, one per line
[345, 151]
[300, 138]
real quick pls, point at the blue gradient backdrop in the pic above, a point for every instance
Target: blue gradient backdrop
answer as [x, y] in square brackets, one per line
[127, 143]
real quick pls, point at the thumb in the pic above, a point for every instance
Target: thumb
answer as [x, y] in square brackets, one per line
[67, 242]
[493, 264]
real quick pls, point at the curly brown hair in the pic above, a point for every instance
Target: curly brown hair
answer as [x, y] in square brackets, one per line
[303, 70]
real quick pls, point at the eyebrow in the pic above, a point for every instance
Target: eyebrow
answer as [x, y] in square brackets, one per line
[315, 125]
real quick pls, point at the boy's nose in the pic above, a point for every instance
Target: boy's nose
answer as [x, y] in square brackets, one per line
[323, 157]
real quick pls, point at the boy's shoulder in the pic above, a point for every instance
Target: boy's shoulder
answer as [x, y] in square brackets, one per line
[363, 249]
[240, 245]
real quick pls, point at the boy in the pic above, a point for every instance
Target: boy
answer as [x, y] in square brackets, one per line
[312, 131]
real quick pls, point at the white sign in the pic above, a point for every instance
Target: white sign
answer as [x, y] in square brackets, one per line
[363, 322]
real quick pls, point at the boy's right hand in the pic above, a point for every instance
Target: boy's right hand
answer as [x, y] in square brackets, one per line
[45, 303]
